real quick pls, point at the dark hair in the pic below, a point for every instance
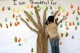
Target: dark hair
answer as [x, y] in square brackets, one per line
[50, 20]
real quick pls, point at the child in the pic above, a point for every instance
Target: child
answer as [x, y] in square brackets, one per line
[51, 29]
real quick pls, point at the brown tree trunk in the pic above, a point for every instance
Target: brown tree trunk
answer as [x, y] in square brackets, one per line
[41, 43]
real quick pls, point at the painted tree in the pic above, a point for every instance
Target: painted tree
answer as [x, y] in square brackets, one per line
[41, 39]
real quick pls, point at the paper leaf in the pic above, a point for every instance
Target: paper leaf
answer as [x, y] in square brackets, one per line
[65, 23]
[19, 15]
[59, 7]
[20, 44]
[13, 10]
[17, 11]
[25, 40]
[62, 9]
[67, 14]
[76, 18]
[78, 23]
[9, 8]
[10, 24]
[50, 7]
[3, 8]
[70, 24]
[73, 12]
[67, 34]
[78, 12]
[18, 23]
[46, 8]
[27, 6]
[0, 25]
[15, 39]
[78, 8]
[71, 6]
[67, 28]
[15, 24]
[32, 50]
[13, 16]
[32, 6]
[5, 19]
[59, 14]
[6, 25]
[38, 6]
[75, 27]
[55, 7]
[72, 36]
[19, 39]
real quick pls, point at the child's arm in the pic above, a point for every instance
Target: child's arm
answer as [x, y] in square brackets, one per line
[60, 20]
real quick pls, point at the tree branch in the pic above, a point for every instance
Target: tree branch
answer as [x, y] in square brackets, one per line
[28, 25]
[38, 18]
[44, 18]
[56, 13]
[31, 19]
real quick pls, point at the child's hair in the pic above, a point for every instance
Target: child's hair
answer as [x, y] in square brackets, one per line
[50, 20]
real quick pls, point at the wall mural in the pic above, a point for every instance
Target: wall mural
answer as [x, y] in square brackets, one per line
[10, 18]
